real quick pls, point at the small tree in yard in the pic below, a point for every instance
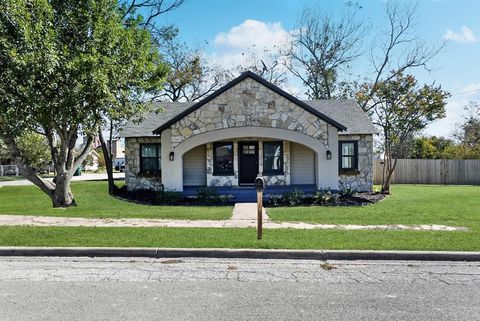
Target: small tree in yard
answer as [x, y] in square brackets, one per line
[401, 109]
[64, 65]
[468, 134]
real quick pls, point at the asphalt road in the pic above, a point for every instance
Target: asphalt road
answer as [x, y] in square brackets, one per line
[218, 289]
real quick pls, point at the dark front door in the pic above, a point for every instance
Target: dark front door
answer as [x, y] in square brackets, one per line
[248, 162]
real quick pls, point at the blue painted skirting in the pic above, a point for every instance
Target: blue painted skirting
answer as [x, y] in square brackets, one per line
[248, 194]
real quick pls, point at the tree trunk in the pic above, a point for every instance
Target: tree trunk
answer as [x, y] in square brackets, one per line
[108, 163]
[62, 194]
[390, 168]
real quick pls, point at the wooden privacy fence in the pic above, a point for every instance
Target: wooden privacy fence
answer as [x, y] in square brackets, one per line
[432, 171]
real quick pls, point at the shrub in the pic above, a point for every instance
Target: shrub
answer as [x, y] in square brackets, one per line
[325, 196]
[275, 200]
[164, 196]
[293, 198]
[347, 192]
[208, 195]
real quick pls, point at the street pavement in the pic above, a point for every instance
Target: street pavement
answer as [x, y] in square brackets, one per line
[46, 288]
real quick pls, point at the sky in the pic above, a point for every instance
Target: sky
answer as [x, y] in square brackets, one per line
[226, 28]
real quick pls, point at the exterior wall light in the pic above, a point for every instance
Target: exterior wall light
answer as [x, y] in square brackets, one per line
[171, 156]
[329, 154]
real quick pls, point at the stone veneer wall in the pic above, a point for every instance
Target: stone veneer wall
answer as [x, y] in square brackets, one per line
[232, 180]
[248, 104]
[363, 180]
[134, 180]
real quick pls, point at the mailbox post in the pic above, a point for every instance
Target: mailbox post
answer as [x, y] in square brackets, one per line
[259, 187]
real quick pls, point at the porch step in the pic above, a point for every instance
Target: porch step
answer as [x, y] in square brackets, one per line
[247, 211]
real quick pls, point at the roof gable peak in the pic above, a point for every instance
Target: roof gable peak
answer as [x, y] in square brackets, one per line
[262, 81]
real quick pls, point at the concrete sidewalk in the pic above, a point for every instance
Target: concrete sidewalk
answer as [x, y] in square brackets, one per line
[83, 177]
[21, 220]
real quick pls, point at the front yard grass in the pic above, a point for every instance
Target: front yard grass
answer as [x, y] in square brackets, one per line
[239, 238]
[408, 204]
[94, 202]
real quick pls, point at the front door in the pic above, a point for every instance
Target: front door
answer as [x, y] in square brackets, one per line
[248, 162]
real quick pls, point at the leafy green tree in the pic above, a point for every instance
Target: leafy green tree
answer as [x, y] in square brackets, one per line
[469, 133]
[401, 109]
[433, 147]
[35, 151]
[5, 157]
[64, 65]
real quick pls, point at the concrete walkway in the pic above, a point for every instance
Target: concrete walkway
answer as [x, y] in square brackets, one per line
[247, 212]
[83, 177]
[19, 220]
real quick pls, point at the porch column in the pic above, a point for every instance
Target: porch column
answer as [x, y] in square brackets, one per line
[172, 171]
[327, 169]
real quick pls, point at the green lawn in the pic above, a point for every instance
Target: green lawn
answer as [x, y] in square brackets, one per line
[93, 201]
[10, 178]
[238, 238]
[408, 204]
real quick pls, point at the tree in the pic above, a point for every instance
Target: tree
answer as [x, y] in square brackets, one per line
[400, 51]
[401, 109]
[34, 149]
[323, 48]
[5, 157]
[433, 147]
[191, 77]
[64, 65]
[468, 134]
[269, 64]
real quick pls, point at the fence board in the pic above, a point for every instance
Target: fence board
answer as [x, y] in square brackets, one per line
[432, 171]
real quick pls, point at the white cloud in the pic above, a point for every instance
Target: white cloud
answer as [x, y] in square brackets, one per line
[252, 33]
[247, 42]
[466, 35]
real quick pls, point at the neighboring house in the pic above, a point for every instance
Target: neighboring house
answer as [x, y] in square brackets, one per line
[118, 153]
[91, 163]
[251, 127]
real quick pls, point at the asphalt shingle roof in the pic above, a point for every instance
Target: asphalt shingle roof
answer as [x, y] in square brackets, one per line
[344, 111]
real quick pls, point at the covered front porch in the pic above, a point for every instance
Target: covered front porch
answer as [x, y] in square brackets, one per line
[248, 193]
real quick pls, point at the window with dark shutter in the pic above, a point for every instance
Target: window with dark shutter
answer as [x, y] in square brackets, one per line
[348, 156]
[150, 159]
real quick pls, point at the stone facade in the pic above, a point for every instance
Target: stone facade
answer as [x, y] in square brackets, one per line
[362, 180]
[248, 104]
[134, 180]
[232, 180]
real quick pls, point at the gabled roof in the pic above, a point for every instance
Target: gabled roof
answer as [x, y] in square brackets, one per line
[269, 85]
[164, 111]
[347, 112]
[344, 111]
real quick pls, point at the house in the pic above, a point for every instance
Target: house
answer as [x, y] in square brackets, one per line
[118, 153]
[247, 127]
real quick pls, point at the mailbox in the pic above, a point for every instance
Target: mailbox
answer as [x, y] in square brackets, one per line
[259, 183]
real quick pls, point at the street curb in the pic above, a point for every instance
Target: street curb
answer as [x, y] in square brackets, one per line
[241, 253]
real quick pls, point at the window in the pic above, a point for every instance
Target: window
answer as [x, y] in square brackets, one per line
[150, 160]
[348, 156]
[273, 157]
[249, 149]
[223, 159]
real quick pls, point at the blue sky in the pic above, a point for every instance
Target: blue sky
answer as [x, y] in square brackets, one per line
[226, 28]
